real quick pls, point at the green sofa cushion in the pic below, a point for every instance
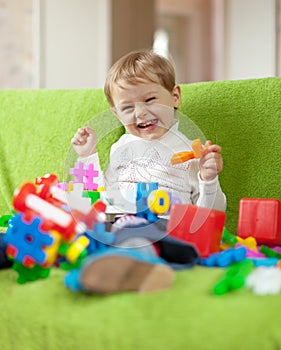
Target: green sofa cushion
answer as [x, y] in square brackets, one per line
[242, 116]
[45, 315]
[36, 127]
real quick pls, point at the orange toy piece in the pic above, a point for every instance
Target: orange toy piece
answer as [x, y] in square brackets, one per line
[197, 148]
[181, 157]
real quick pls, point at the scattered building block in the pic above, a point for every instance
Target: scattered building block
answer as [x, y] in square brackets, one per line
[201, 226]
[261, 219]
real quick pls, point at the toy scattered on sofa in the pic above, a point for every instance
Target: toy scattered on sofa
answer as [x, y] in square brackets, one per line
[64, 225]
[47, 231]
[44, 228]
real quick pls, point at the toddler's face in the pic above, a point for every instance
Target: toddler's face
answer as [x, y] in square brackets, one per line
[146, 109]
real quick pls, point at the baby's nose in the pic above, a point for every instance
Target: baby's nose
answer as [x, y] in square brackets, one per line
[140, 109]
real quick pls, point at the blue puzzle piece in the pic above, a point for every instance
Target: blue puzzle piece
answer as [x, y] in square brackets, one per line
[143, 190]
[225, 258]
[27, 239]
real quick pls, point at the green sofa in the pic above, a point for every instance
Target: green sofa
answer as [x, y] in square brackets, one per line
[244, 117]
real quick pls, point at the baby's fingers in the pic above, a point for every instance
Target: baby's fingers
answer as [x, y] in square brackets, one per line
[76, 141]
[80, 137]
[209, 148]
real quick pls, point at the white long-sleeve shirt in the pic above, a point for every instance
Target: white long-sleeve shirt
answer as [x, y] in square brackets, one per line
[133, 160]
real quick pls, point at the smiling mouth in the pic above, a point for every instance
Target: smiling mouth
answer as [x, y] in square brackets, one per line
[148, 124]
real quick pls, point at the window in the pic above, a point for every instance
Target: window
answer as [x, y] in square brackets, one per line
[161, 43]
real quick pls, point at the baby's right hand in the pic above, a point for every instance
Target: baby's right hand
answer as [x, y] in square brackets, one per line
[84, 141]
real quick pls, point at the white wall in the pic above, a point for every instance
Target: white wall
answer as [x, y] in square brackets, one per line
[73, 43]
[188, 24]
[74, 40]
[223, 39]
[250, 37]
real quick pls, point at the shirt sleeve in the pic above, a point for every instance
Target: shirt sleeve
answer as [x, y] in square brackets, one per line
[211, 194]
[207, 194]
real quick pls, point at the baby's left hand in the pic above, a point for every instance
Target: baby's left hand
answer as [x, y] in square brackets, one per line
[211, 162]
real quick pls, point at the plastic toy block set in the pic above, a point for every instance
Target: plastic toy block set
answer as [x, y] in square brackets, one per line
[45, 230]
[63, 225]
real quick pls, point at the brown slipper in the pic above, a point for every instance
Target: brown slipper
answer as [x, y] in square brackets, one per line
[112, 274]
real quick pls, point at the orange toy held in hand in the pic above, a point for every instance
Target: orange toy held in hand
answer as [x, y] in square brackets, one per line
[181, 157]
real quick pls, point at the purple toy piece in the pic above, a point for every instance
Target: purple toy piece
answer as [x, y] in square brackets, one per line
[250, 253]
[78, 172]
[90, 174]
[85, 174]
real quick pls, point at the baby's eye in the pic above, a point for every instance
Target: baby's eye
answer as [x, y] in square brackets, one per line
[126, 108]
[150, 99]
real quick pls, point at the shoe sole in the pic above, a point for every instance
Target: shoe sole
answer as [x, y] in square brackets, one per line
[113, 274]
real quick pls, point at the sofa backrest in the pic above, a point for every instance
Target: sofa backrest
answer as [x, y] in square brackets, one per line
[244, 117]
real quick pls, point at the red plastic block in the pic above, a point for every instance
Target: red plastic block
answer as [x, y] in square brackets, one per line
[261, 219]
[201, 226]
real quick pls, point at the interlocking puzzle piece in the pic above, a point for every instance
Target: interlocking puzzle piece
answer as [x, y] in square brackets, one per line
[229, 238]
[65, 186]
[26, 274]
[4, 220]
[173, 199]
[96, 243]
[270, 253]
[249, 242]
[71, 281]
[52, 250]
[142, 208]
[158, 202]
[197, 148]
[78, 172]
[85, 173]
[234, 278]
[76, 248]
[261, 219]
[93, 195]
[201, 226]
[90, 174]
[99, 237]
[27, 201]
[26, 241]
[66, 265]
[224, 258]
[265, 262]
[48, 188]
[250, 253]
[181, 157]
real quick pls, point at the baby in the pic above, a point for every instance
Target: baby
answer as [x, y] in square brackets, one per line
[142, 92]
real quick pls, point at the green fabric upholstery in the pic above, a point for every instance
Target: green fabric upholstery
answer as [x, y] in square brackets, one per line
[244, 117]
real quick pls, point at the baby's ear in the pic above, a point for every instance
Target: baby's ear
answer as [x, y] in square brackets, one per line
[177, 96]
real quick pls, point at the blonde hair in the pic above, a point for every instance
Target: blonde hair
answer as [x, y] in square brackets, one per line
[139, 67]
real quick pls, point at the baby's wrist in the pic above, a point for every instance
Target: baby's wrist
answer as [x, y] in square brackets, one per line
[207, 178]
[87, 154]
[93, 158]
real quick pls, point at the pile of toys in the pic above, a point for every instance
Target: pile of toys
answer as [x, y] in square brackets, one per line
[60, 224]
[45, 229]
[254, 254]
